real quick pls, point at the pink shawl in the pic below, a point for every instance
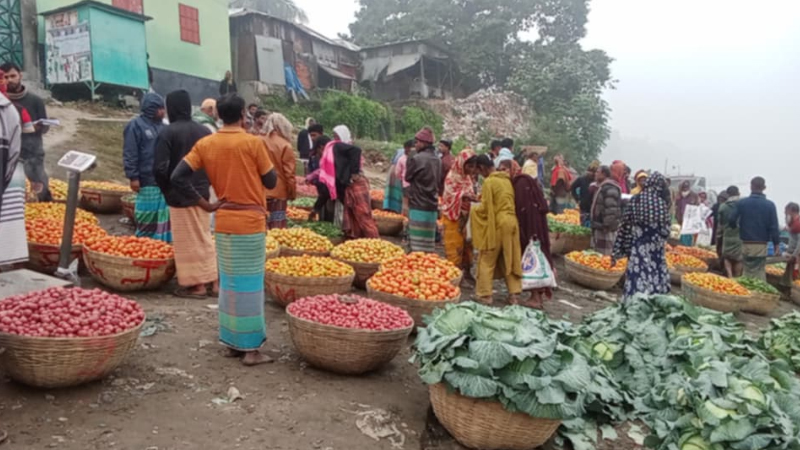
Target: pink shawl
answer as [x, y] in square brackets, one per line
[327, 170]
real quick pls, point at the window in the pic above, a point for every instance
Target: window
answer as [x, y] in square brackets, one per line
[134, 6]
[190, 24]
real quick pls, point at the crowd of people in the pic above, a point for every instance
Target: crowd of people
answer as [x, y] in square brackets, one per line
[232, 168]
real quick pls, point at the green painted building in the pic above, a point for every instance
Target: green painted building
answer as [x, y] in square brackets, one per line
[95, 44]
[188, 41]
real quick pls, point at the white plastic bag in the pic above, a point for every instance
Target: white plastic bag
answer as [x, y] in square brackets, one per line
[536, 270]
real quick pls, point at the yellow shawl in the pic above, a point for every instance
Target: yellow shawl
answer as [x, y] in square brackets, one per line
[494, 221]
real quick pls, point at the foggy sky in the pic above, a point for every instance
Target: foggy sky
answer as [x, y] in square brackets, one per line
[711, 85]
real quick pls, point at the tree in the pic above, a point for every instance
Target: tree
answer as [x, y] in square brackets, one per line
[483, 34]
[565, 84]
[282, 9]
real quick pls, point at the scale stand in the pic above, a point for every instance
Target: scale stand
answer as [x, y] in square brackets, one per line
[76, 163]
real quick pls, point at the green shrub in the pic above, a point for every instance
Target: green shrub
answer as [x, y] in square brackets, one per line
[414, 118]
[364, 117]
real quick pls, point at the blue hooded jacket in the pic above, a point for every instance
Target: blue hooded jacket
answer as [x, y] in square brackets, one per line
[139, 141]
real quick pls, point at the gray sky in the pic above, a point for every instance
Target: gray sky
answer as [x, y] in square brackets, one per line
[711, 85]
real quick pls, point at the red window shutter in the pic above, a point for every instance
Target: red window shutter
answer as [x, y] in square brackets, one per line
[189, 23]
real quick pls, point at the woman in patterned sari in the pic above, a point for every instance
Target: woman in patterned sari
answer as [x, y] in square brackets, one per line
[459, 193]
[642, 238]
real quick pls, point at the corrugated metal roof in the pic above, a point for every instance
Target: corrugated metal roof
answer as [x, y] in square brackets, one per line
[335, 73]
[241, 12]
[372, 68]
[400, 63]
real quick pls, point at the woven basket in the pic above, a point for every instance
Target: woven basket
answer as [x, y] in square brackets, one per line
[364, 271]
[388, 226]
[44, 258]
[762, 303]
[128, 274]
[376, 204]
[591, 278]
[713, 300]
[336, 240]
[486, 425]
[416, 308]
[676, 273]
[576, 243]
[285, 289]
[102, 201]
[558, 243]
[343, 350]
[274, 254]
[63, 362]
[286, 251]
[129, 207]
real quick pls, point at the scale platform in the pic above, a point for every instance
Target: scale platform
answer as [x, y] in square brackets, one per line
[23, 281]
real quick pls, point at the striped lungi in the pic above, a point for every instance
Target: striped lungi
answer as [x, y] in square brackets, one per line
[152, 214]
[277, 213]
[422, 230]
[195, 256]
[241, 260]
[12, 221]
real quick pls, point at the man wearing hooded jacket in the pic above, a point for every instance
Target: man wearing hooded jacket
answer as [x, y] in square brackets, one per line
[138, 157]
[195, 256]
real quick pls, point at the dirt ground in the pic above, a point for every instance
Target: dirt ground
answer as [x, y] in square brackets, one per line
[171, 394]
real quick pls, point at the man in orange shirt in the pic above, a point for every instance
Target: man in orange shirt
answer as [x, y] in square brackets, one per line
[278, 132]
[240, 171]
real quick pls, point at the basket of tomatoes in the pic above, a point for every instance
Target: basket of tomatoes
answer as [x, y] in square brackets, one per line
[347, 334]
[63, 337]
[764, 298]
[128, 263]
[273, 248]
[715, 292]
[287, 279]
[593, 270]
[425, 263]
[366, 257]
[389, 223]
[103, 197]
[301, 241]
[707, 256]
[129, 207]
[417, 293]
[44, 242]
[376, 197]
[680, 264]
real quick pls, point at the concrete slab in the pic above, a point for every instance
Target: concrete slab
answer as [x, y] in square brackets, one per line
[23, 281]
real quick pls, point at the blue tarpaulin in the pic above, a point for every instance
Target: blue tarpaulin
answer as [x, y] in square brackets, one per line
[293, 82]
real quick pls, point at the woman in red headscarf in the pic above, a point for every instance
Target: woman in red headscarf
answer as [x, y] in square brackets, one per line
[459, 193]
[560, 183]
[618, 174]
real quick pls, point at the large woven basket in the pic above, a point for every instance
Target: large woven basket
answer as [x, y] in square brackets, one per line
[129, 207]
[486, 425]
[576, 243]
[558, 243]
[591, 278]
[128, 274]
[44, 258]
[416, 308]
[63, 362]
[273, 254]
[285, 289]
[343, 350]
[388, 226]
[713, 300]
[286, 251]
[336, 240]
[762, 303]
[676, 273]
[364, 271]
[102, 201]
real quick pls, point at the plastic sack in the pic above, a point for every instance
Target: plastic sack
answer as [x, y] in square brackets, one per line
[536, 270]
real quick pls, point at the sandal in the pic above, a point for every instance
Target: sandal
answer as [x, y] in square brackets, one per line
[183, 292]
[484, 300]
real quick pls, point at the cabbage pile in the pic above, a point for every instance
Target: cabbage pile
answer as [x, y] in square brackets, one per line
[782, 340]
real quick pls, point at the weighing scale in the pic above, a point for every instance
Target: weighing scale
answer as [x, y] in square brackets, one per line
[76, 163]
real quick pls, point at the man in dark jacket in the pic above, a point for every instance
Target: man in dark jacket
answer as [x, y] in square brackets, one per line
[423, 173]
[138, 156]
[227, 85]
[583, 194]
[606, 212]
[195, 257]
[757, 218]
[32, 153]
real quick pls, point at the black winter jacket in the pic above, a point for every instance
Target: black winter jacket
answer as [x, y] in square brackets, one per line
[607, 208]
